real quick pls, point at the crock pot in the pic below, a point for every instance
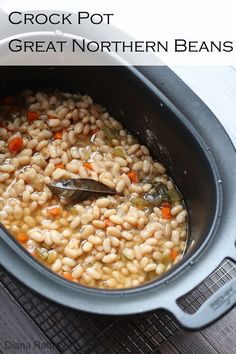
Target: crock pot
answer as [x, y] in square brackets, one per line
[182, 133]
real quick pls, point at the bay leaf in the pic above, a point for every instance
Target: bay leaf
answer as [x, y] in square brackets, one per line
[77, 190]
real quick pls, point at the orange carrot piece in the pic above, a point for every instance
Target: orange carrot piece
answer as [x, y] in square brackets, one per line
[133, 176]
[57, 135]
[88, 165]
[54, 211]
[173, 254]
[108, 223]
[166, 210]
[61, 166]
[51, 117]
[16, 144]
[68, 276]
[31, 116]
[22, 238]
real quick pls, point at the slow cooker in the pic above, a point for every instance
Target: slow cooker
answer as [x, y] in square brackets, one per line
[182, 133]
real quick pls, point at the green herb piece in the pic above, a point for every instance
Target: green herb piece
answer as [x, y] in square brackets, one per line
[166, 260]
[110, 133]
[52, 255]
[174, 196]
[119, 152]
[141, 203]
[42, 253]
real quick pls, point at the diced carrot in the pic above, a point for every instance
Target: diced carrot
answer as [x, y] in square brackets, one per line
[88, 165]
[57, 135]
[54, 211]
[31, 116]
[165, 204]
[61, 166]
[15, 144]
[173, 254]
[51, 117]
[166, 210]
[68, 276]
[133, 176]
[108, 223]
[8, 100]
[22, 238]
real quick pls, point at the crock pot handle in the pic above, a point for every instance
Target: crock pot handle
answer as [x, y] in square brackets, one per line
[213, 308]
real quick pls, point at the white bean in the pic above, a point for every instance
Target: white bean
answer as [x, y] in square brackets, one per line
[77, 272]
[95, 240]
[103, 202]
[87, 246]
[146, 166]
[133, 149]
[69, 261]
[75, 222]
[54, 123]
[53, 151]
[180, 218]
[129, 253]
[72, 252]
[59, 173]
[96, 212]
[138, 166]
[57, 265]
[110, 258]
[167, 230]
[145, 249]
[175, 236]
[29, 221]
[4, 177]
[169, 244]
[150, 267]
[36, 236]
[107, 245]
[132, 219]
[160, 268]
[115, 242]
[49, 169]
[116, 219]
[113, 231]
[78, 128]
[93, 273]
[120, 161]
[159, 167]
[120, 186]
[7, 168]
[150, 230]
[176, 209]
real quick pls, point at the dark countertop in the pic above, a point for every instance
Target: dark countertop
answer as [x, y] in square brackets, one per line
[30, 324]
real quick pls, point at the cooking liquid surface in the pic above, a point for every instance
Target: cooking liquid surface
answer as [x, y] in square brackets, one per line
[117, 241]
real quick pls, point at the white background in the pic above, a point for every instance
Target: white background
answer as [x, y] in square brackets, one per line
[151, 20]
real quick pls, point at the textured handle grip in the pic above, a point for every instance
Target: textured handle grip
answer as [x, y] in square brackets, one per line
[213, 308]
